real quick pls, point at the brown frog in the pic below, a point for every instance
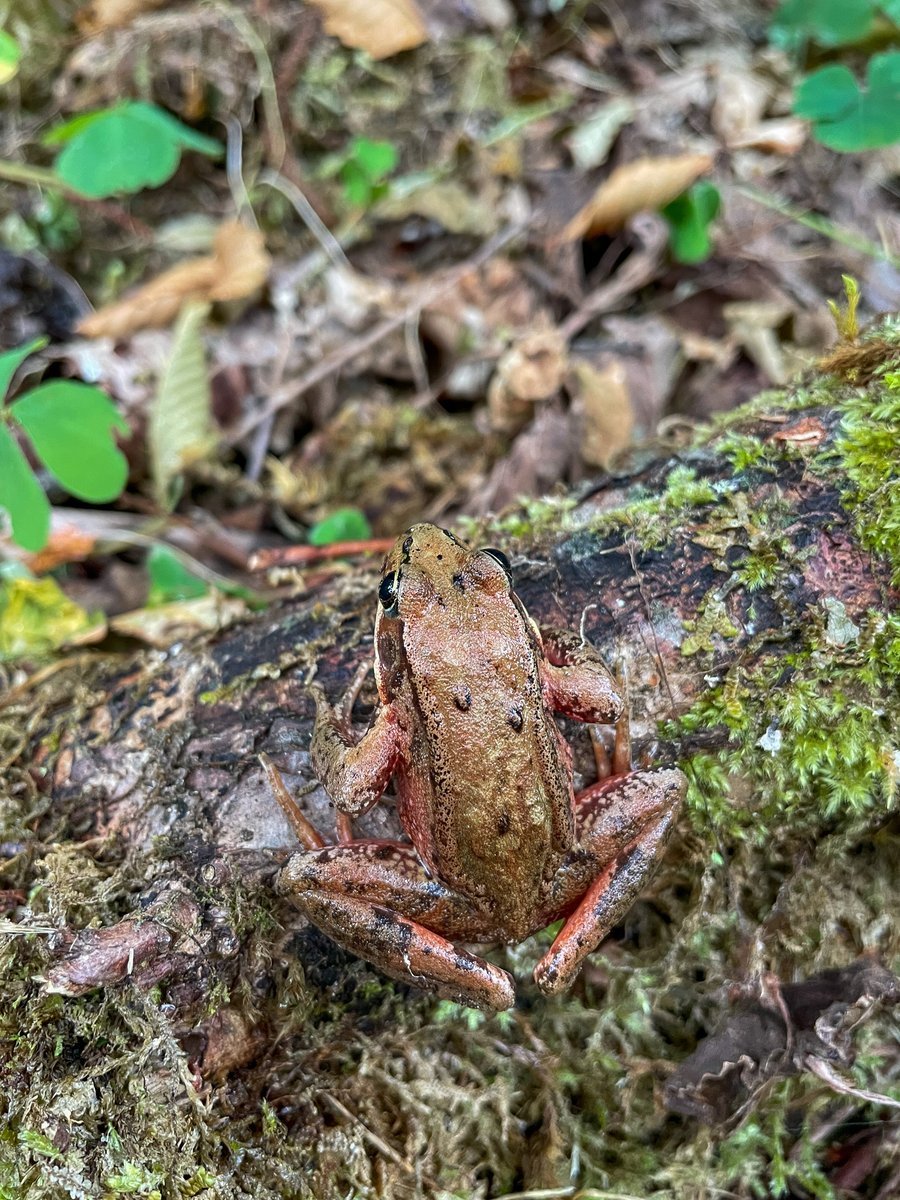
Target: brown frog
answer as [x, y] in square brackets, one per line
[499, 844]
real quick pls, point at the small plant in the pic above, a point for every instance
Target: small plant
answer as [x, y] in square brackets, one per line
[828, 22]
[123, 149]
[690, 216]
[365, 169]
[847, 117]
[70, 426]
[343, 525]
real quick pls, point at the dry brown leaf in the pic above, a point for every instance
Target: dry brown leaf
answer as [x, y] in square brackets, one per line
[646, 183]
[238, 266]
[607, 412]
[380, 27]
[531, 371]
[101, 15]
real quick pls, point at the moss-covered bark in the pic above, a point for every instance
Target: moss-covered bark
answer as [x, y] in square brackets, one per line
[200, 1041]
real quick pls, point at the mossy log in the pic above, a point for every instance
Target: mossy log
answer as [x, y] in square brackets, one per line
[171, 1028]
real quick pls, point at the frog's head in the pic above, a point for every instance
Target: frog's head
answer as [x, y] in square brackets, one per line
[429, 566]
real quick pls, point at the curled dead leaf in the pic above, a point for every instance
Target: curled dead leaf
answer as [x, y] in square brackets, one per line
[238, 265]
[606, 410]
[647, 183]
[809, 431]
[380, 27]
[529, 372]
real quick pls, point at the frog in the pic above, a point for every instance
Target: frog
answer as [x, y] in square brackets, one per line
[500, 845]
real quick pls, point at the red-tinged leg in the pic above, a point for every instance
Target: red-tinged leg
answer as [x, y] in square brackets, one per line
[576, 681]
[306, 833]
[354, 773]
[623, 824]
[375, 899]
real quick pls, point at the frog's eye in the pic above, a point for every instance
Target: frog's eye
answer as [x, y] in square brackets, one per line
[387, 593]
[501, 559]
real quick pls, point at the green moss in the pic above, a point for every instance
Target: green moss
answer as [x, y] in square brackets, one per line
[812, 738]
[869, 450]
[712, 622]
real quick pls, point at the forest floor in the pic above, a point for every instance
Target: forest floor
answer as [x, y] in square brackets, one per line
[429, 268]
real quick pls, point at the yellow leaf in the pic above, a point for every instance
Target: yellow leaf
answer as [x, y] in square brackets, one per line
[647, 183]
[36, 616]
[238, 266]
[380, 27]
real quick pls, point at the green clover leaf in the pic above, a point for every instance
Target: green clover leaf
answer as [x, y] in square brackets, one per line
[845, 117]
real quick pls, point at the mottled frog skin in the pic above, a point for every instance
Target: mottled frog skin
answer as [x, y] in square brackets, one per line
[499, 844]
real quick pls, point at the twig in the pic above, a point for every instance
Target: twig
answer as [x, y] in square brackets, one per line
[293, 556]
[828, 229]
[267, 90]
[307, 215]
[334, 362]
[637, 270]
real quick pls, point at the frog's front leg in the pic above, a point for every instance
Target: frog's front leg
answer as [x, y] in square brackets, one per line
[355, 773]
[622, 826]
[576, 681]
[375, 899]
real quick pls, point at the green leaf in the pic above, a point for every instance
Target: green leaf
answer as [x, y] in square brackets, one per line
[343, 525]
[59, 134]
[690, 216]
[180, 428]
[845, 117]
[183, 135]
[21, 496]
[170, 579]
[376, 160]
[123, 149]
[827, 22]
[13, 359]
[827, 94]
[117, 154]
[10, 57]
[71, 427]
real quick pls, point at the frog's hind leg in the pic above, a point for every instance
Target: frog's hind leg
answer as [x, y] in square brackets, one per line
[376, 899]
[622, 824]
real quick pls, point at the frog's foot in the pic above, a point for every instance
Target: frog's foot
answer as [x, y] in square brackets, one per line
[375, 899]
[623, 824]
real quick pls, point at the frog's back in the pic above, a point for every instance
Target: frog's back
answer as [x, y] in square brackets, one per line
[485, 792]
